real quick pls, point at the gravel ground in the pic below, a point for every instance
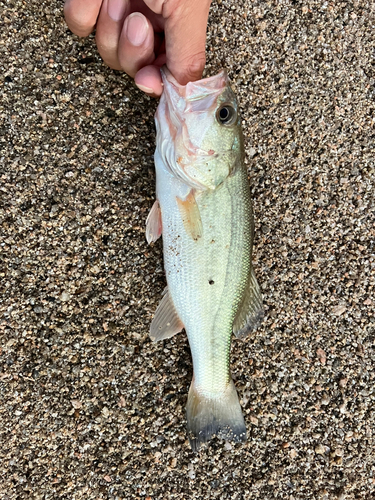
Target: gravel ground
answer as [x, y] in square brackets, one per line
[90, 408]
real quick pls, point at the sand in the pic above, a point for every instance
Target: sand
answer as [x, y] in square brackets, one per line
[89, 407]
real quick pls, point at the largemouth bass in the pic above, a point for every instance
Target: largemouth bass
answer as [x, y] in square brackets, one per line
[203, 210]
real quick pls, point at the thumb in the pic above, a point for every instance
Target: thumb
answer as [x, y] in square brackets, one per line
[185, 39]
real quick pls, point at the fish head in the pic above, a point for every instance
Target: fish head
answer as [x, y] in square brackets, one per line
[198, 130]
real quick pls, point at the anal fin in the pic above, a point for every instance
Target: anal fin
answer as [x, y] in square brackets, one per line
[166, 322]
[153, 223]
[250, 313]
[190, 215]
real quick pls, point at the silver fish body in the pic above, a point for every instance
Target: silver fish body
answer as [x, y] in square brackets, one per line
[203, 210]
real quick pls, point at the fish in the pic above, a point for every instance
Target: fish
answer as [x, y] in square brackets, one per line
[204, 213]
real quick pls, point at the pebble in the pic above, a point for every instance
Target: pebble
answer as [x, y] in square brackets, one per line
[339, 310]
[321, 449]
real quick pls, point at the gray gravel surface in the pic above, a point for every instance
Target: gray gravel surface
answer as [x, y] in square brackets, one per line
[89, 407]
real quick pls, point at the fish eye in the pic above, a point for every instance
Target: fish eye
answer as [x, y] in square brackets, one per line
[226, 115]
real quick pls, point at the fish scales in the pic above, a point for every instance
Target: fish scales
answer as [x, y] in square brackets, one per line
[203, 209]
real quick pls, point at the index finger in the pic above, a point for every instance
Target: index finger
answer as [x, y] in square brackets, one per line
[185, 39]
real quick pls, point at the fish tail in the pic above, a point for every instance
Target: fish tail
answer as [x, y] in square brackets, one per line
[209, 416]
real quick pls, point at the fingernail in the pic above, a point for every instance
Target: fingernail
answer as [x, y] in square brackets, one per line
[116, 9]
[145, 89]
[136, 28]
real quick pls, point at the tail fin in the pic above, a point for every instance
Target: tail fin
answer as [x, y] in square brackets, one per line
[221, 416]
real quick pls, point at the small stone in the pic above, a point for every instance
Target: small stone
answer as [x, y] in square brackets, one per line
[339, 310]
[65, 297]
[343, 382]
[252, 152]
[321, 356]
[191, 472]
[321, 449]
[325, 400]
[342, 408]
[349, 436]
[293, 453]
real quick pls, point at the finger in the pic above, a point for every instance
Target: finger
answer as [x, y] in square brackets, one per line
[136, 44]
[148, 79]
[81, 15]
[108, 30]
[185, 37]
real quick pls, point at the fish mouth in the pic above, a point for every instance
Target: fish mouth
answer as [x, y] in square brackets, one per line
[194, 92]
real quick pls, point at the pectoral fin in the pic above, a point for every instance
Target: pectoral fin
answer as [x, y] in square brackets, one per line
[250, 314]
[166, 322]
[190, 216]
[153, 223]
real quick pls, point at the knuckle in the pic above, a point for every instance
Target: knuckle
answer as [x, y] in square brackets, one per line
[194, 65]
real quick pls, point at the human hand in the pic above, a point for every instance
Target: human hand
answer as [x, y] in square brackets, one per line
[139, 36]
